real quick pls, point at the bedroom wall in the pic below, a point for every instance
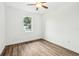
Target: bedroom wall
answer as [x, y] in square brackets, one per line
[62, 26]
[15, 30]
[2, 27]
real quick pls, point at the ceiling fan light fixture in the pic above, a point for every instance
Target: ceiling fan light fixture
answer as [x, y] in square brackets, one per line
[38, 5]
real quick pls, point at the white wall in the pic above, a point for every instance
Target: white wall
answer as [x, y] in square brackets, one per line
[15, 30]
[2, 27]
[42, 25]
[62, 26]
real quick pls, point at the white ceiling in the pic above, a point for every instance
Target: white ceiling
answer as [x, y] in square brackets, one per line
[52, 6]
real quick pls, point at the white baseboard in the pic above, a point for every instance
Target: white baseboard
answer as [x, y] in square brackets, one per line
[61, 45]
[23, 40]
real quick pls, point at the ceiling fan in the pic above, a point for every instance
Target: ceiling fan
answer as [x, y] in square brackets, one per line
[39, 4]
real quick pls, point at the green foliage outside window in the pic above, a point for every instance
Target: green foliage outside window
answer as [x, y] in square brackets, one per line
[27, 23]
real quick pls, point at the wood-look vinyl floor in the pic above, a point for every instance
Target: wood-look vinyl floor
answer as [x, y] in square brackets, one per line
[37, 48]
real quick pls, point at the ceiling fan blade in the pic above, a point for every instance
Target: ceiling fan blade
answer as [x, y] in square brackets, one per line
[31, 4]
[43, 2]
[45, 7]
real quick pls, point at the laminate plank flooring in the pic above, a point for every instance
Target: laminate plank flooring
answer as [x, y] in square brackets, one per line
[37, 48]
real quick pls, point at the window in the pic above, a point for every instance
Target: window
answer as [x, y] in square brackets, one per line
[27, 24]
